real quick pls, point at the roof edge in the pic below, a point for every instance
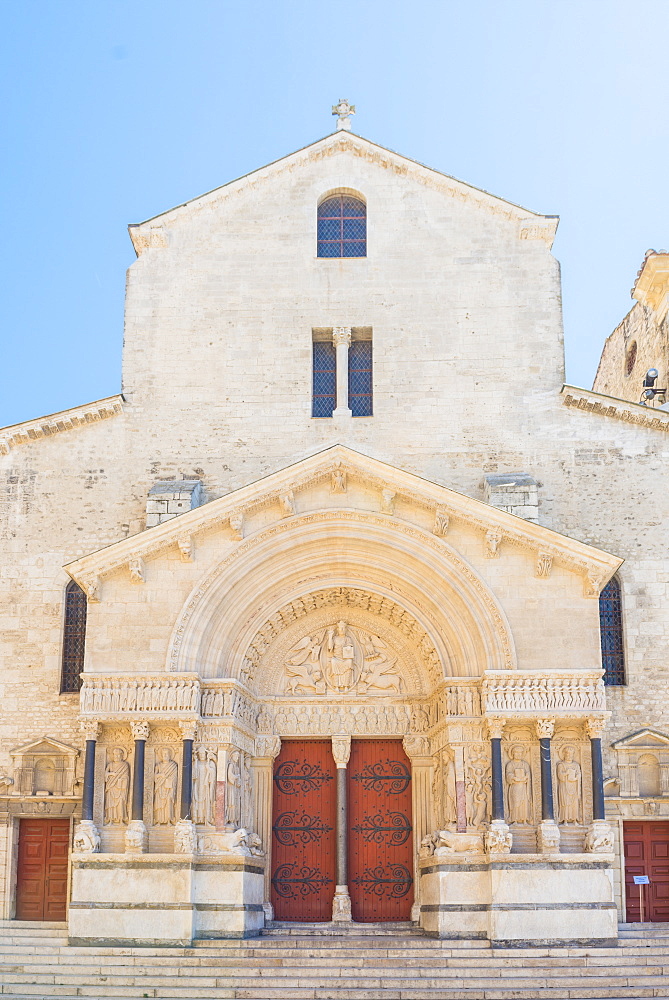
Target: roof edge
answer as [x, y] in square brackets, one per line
[62, 420]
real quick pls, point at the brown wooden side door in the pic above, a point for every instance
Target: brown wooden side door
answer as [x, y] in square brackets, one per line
[303, 831]
[646, 846]
[380, 836]
[41, 885]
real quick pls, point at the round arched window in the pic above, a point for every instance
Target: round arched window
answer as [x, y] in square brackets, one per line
[342, 227]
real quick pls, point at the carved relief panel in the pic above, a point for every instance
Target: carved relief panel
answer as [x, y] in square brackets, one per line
[44, 768]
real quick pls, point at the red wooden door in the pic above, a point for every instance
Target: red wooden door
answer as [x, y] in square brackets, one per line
[647, 853]
[380, 841]
[41, 885]
[303, 831]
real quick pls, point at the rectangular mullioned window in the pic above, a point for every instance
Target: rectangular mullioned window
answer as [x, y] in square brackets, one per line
[352, 394]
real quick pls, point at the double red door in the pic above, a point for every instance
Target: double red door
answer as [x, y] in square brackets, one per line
[380, 843]
[647, 853]
[41, 885]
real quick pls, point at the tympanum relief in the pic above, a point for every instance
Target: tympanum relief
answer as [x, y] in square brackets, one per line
[341, 659]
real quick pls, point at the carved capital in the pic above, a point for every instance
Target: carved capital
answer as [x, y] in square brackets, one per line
[90, 728]
[136, 569]
[188, 729]
[268, 746]
[493, 540]
[545, 728]
[544, 565]
[592, 583]
[495, 727]
[92, 587]
[341, 335]
[185, 543]
[341, 750]
[140, 730]
[595, 727]
[416, 746]
[237, 525]
[441, 521]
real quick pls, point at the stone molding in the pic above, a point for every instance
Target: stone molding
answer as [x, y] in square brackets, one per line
[619, 409]
[56, 423]
[574, 692]
[237, 508]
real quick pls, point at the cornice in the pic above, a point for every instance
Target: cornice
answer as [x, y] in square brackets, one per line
[532, 226]
[618, 409]
[234, 512]
[56, 423]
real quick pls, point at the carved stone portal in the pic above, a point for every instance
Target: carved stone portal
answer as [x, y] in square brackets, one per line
[341, 659]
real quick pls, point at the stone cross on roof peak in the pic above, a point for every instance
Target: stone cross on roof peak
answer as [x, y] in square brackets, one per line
[344, 110]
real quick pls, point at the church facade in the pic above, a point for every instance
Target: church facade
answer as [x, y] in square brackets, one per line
[346, 608]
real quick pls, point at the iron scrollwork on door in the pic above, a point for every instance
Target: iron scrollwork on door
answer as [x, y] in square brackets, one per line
[391, 880]
[294, 777]
[293, 881]
[391, 777]
[393, 829]
[294, 828]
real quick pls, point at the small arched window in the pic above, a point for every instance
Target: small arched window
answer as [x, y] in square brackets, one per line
[611, 633]
[342, 227]
[74, 638]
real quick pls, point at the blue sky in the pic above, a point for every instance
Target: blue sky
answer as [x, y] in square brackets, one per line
[114, 111]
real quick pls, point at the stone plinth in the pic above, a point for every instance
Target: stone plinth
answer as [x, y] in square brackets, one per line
[164, 899]
[533, 898]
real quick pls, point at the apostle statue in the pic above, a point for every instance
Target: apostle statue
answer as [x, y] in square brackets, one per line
[568, 772]
[233, 791]
[165, 777]
[117, 785]
[204, 787]
[518, 786]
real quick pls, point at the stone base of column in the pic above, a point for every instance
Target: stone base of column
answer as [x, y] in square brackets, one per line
[136, 837]
[599, 838]
[548, 837]
[185, 837]
[341, 905]
[86, 838]
[498, 839]
[268, 910]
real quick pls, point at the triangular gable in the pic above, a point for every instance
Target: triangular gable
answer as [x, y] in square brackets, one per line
[280, 488]
[148, 233]
[44, 745]
[645, 739]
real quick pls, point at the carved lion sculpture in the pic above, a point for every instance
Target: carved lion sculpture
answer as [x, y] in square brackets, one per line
[86, 838]
[449, 842]
[599, 839]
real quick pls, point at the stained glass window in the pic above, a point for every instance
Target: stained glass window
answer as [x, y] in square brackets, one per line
[360, 378]
[611, 633]
[74, 637]
[324, 379]
[342, 227]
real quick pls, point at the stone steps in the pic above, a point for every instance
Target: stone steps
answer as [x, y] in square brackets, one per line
[358, 964]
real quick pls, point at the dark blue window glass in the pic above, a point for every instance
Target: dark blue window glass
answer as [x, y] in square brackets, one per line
[360, 378]
[74, 637]
[342, 227]
[611, 633]
[325, 379]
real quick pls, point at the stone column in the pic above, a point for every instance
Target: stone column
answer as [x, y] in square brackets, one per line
[417, 748]
[185, 837]
[498, 838]
[341, 904]
[341, 338]
[548, 835]
[266, 751]
[136, 839]
[599, 838]
[86, 835]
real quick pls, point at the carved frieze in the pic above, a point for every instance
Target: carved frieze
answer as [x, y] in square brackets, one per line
[146, 694]
[568, 692]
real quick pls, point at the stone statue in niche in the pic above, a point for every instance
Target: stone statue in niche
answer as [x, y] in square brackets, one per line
[443, 791]
[233, 791]
[568, 773]
[477, 788]
[204, 787]
[165, 777]
[518, 786]
[117, 786]
[341, 659]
